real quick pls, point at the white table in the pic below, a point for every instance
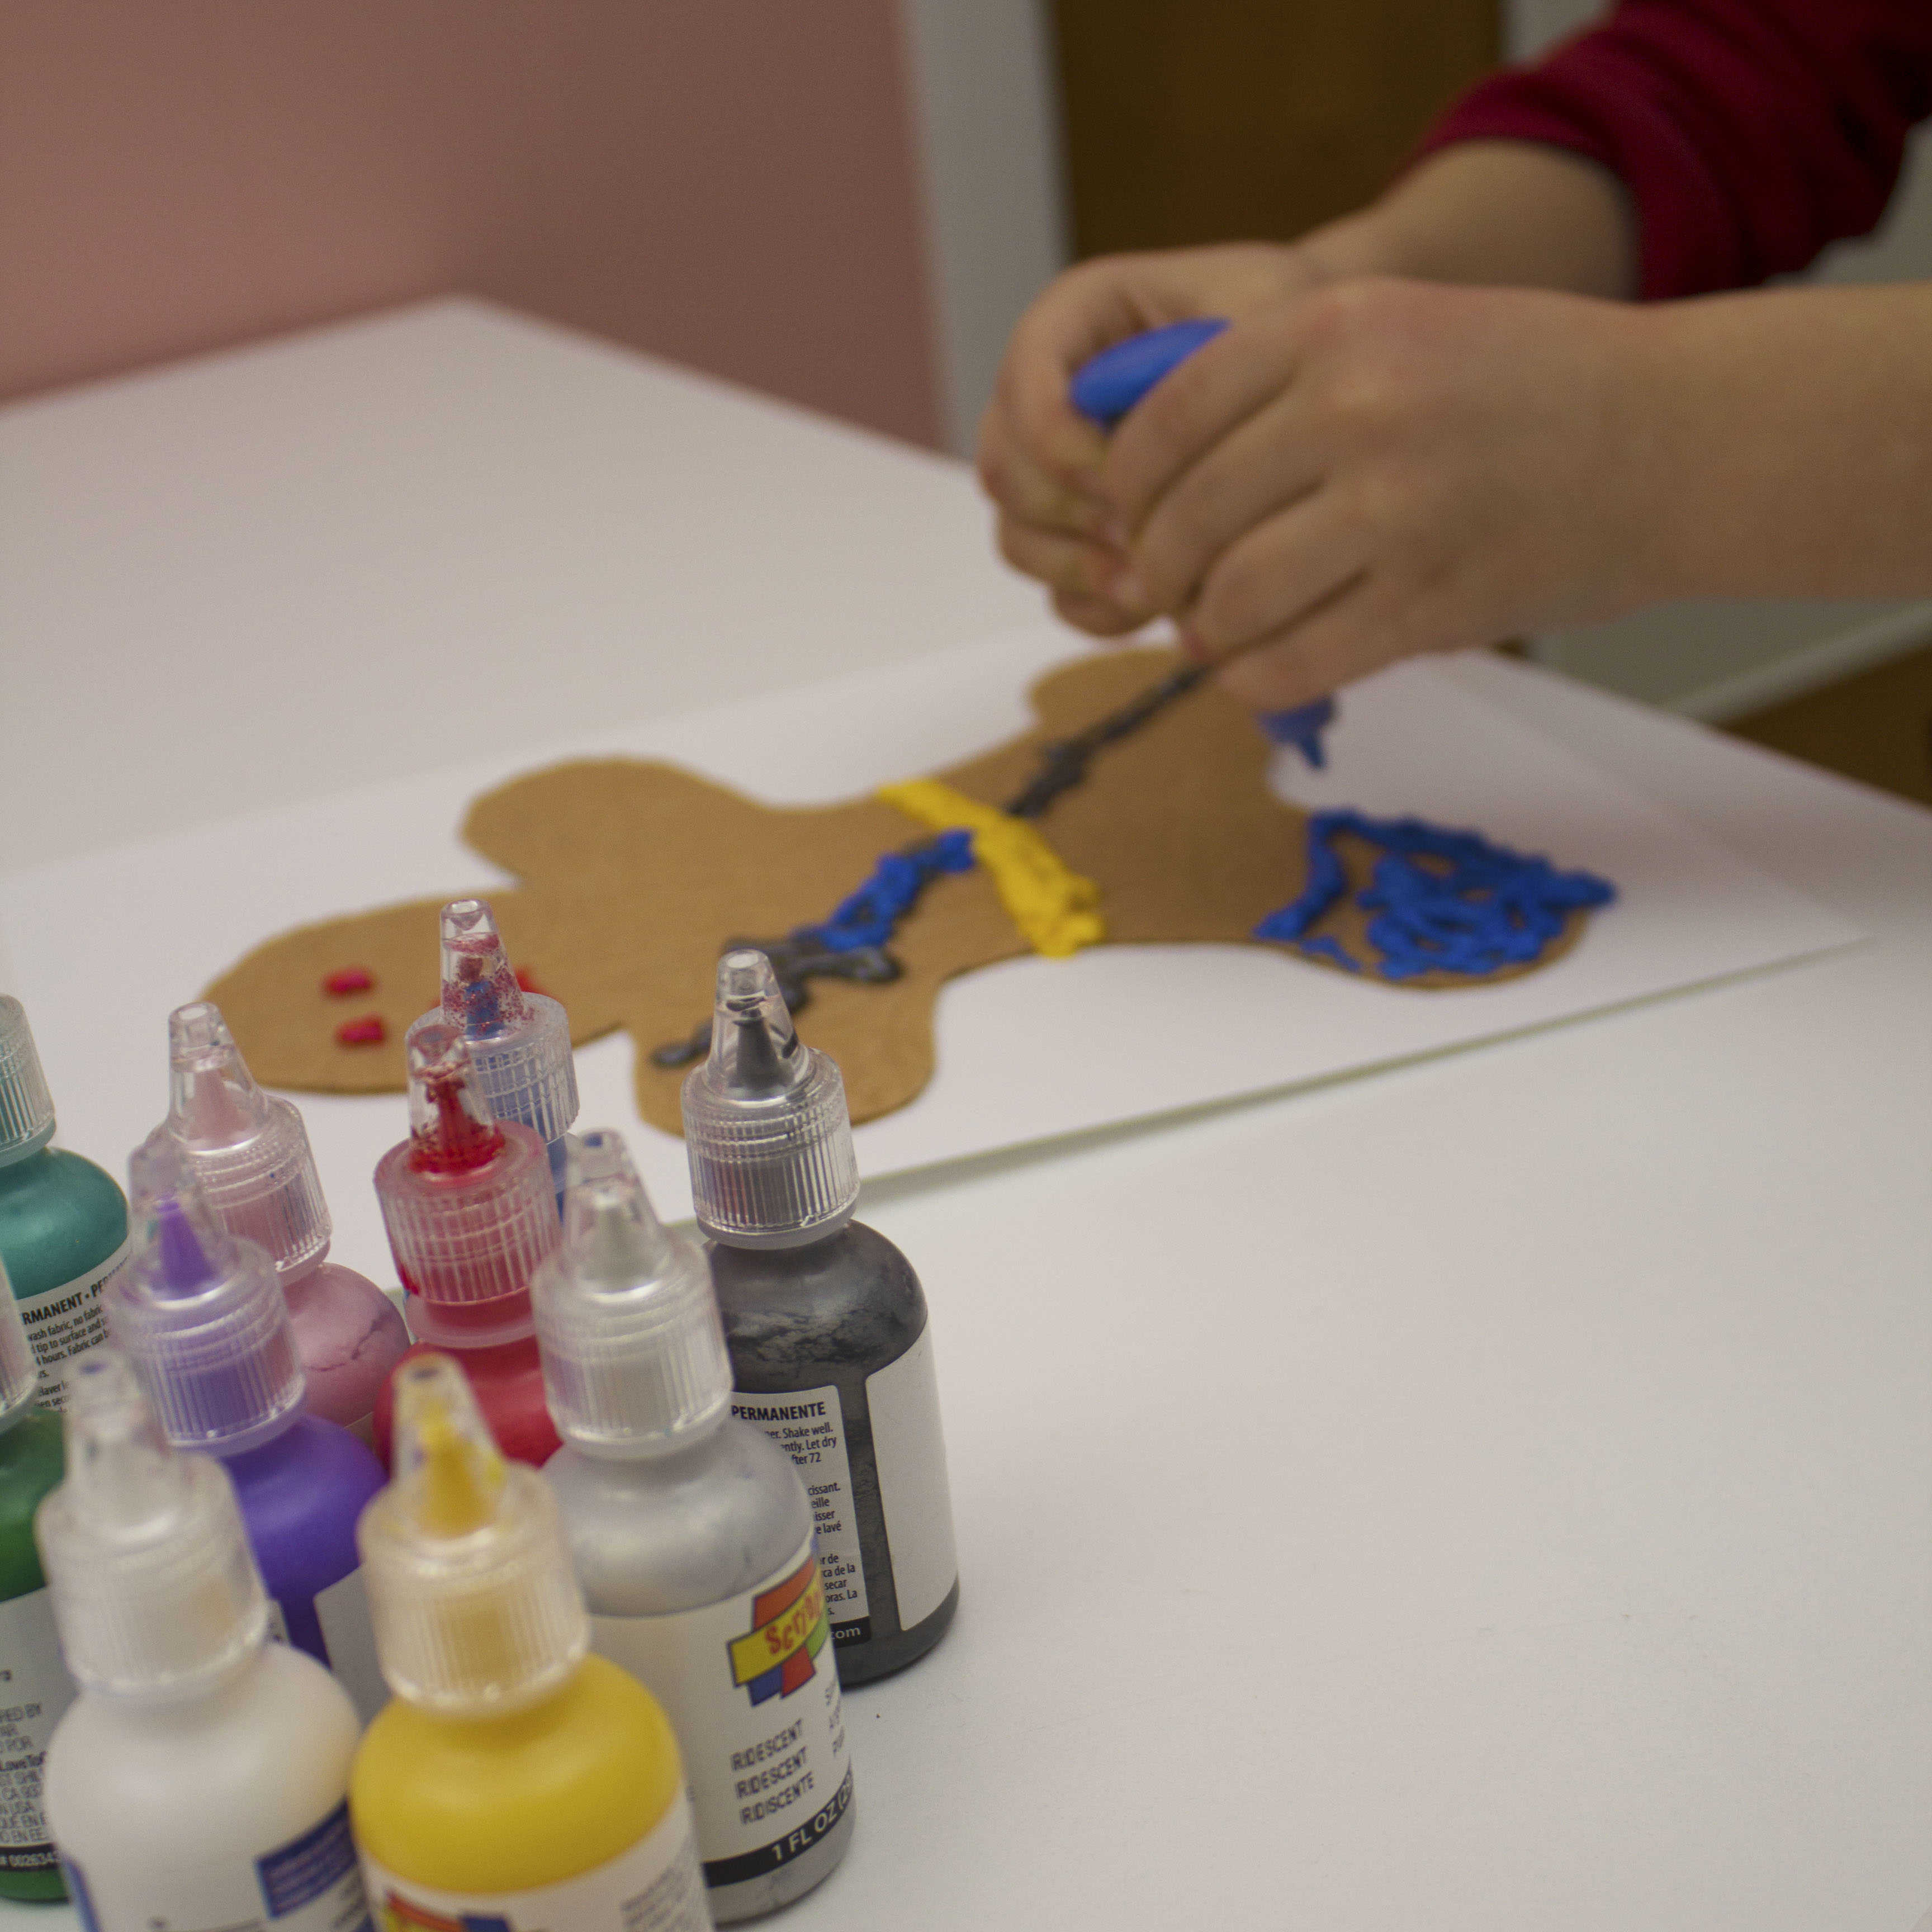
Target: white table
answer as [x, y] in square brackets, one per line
[1493, 1495]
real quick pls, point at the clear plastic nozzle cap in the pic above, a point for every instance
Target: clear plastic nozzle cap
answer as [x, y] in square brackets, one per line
[476, 1607]
[154, 1588]
[634, 1354]
[250, 1152]
[765, 1123]
[20, 1375]
[467, 1199]
[200, 1315]
[519, 1043]
[26, 1107]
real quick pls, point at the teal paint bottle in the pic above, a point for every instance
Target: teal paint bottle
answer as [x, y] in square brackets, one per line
[63, 1221]
[35, 1689]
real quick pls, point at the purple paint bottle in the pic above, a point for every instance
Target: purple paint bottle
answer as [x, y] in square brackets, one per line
[200, 1316]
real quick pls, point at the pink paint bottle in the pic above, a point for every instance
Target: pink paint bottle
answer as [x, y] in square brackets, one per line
[250, 1154]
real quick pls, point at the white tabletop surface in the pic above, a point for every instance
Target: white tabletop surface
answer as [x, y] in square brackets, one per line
[1494, 1494]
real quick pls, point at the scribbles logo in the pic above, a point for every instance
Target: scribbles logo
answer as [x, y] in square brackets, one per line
[788, 1629]
[403, 1915]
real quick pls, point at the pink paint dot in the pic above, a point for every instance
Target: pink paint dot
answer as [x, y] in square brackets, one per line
[348, 979]
[367, 1031]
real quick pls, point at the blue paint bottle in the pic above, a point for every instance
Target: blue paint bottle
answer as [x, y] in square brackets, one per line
[200, 1316]
[519, 1042]
[1105, 388]
[63, 1221]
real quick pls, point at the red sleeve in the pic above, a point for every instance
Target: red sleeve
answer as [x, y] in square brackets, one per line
[1749, 133]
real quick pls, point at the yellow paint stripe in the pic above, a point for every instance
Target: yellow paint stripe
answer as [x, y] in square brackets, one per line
[1057, 910]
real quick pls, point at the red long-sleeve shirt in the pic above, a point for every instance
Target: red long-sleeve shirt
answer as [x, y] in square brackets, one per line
[1750, 134]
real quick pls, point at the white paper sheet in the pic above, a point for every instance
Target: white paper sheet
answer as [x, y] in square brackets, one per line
[101, 948]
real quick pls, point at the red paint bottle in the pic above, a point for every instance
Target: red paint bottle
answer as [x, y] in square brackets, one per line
[470, 1213]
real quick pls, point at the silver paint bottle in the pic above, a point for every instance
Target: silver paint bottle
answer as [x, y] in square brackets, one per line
[692, 1537]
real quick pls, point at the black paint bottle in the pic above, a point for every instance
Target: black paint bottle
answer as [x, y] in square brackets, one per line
[831, 1351]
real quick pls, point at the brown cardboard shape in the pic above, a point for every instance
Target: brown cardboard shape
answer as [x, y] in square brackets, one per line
[636, 875]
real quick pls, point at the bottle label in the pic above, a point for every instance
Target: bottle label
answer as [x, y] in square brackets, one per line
[67, 1321]
[904, 1399]
[343, 1611]
[752, 1691]
[310, 1884]
[348, 1641]
[809, 1425]
[654, 1887]
[35, 1693]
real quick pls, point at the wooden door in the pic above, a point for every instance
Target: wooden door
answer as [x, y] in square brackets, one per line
[1204, 120]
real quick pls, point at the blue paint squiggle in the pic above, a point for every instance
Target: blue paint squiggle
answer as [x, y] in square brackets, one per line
[1302, 728]
[1443, 901]
[870, 916]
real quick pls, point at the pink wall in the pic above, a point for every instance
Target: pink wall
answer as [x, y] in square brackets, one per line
[730, 183]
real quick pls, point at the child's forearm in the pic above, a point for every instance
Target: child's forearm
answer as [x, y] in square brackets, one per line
[1506, 213]
[1780, 441]
[1786, 442]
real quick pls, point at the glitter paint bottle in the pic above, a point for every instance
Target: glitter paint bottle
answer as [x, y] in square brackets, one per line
[692, 1537]
[470, 1212]
[519, 1042]
[251, 1155]
[200, 1317]
[63, 1221]
[38, 1687]
[831, 1348]
[201, 1778]
[513, 1780]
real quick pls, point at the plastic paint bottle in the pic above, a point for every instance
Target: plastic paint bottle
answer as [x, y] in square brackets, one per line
[251, 1153]
[200, 1317]
[692, 1538]
[520, 1059]
[470, 1212]
[38, 1687]
[513, 1782]
[202, 1777]
[831, 1351]
[63, 1221]
[1106, 388]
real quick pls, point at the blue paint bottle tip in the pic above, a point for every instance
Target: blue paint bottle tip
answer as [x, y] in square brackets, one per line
[1108, 385]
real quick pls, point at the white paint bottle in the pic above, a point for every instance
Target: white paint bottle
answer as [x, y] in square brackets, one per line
[201, 1779]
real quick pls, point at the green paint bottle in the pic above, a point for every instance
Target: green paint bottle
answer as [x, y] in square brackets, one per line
[63, 1221]
[35, 1689]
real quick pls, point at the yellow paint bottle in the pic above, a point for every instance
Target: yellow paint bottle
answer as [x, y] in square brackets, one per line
[515, 1783]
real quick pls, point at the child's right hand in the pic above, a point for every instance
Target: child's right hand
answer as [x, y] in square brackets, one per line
[1040, 460]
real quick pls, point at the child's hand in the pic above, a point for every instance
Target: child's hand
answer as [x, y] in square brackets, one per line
[1040, 460]
[1366, 471]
